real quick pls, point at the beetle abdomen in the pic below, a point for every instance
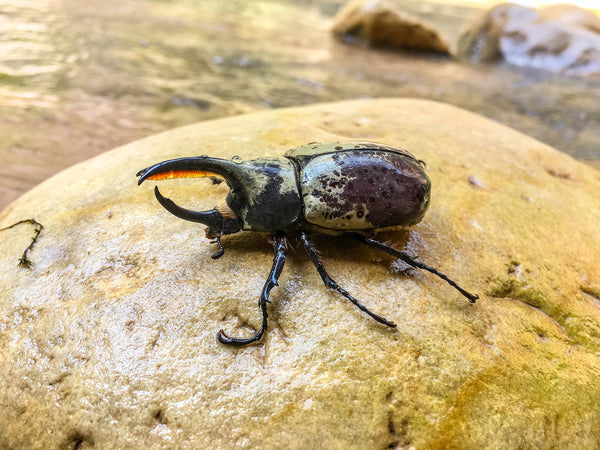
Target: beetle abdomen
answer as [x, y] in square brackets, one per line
[358, 189]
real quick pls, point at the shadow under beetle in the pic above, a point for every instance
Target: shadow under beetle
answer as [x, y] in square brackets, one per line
[355, 188]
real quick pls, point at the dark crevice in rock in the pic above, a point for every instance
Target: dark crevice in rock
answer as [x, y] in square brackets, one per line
[283, 334]
[397, 432]
[519, 290]
[559, 173]
[59, 379]
[516, 289]
[392, 430]
[79, 441]
[540, 310]
[159, 415]
[592, 292]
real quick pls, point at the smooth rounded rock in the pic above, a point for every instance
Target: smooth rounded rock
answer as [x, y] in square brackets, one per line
[556, 38]
[378, 23]
[108, 340]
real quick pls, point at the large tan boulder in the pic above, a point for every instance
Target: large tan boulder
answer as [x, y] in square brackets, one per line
[108, 340]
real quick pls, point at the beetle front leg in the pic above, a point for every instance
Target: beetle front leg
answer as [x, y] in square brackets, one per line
[373, 243]
[221, 251]
[278, 263]
[330, 283]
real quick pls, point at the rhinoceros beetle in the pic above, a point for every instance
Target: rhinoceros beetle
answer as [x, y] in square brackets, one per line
[354, 188]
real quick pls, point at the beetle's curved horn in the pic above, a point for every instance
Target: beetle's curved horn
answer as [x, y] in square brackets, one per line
[213, 218]
[200, 166]
[197, 166]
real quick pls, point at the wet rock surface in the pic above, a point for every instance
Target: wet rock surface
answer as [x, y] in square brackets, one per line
[108, 340]
[556, 38]
[380, 24]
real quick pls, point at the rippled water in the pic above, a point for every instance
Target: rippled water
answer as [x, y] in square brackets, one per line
[78, 78]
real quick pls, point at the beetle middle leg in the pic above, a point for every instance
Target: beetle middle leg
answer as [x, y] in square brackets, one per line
[330, 283]
[278, 263]
[373, 243]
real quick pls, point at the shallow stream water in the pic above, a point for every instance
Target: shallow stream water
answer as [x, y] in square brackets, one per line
[79, 78]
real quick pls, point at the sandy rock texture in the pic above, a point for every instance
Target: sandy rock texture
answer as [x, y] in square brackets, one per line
[379, 23]
[108, 340]
[558, 38]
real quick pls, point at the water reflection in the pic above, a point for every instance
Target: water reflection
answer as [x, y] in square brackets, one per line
[78, 78]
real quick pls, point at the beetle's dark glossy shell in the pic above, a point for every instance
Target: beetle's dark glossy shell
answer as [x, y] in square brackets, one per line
[360, 185]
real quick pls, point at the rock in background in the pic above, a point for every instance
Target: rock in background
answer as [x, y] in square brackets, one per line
[109, 339]
[378, 23]
[557, 38]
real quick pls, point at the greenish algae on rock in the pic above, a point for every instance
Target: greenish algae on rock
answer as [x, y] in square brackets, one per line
[109, 339]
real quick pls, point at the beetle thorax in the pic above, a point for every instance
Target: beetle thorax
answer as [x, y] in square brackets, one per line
[267, 198]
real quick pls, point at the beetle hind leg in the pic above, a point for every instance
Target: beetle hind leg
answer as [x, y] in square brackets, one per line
[330, 283]
[373, 243]
[272, 281]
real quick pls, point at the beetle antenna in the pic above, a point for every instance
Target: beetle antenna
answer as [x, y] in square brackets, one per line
[373, 243]
[272, 281]
[330, 283]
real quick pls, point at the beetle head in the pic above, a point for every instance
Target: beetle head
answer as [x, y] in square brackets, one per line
[263, 193]
[219, 220]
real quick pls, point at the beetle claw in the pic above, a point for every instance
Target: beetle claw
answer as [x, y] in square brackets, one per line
[217, 254]
[224, 339]
[221, 250]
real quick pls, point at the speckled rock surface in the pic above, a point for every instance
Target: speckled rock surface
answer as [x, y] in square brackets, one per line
[379, 23]
[108, 341]
[557, 38]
